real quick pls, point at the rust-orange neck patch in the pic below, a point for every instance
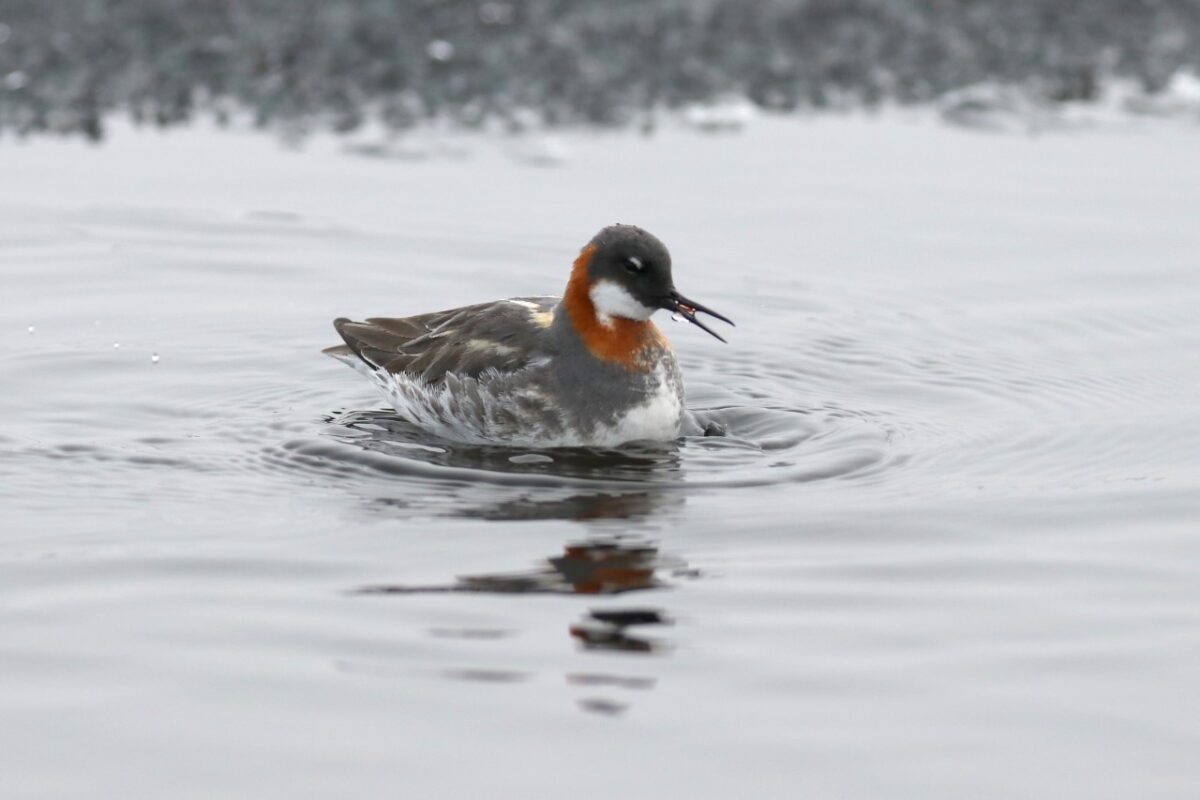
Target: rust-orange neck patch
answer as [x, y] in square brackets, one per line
[620, 341]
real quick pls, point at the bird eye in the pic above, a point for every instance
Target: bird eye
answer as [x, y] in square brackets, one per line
[634, 264]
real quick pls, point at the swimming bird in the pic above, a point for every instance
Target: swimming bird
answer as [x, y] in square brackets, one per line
[586, 369]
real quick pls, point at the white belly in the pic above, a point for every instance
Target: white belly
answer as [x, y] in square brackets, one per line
[658, 419]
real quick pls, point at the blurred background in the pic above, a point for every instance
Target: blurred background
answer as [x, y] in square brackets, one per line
[69, 66]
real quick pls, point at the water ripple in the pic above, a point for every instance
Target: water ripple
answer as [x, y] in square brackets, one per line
[762, 446]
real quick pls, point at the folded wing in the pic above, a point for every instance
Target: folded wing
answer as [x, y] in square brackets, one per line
[504, 336]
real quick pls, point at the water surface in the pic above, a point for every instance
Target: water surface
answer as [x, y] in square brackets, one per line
[948, 547]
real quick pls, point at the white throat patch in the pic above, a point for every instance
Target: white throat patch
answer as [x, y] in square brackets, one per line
[611, 300]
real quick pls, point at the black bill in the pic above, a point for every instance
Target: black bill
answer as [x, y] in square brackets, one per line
[677, 303]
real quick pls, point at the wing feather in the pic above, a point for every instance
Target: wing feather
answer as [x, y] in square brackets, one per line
[505, 336]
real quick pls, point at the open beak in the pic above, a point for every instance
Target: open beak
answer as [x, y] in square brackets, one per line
[688, 309]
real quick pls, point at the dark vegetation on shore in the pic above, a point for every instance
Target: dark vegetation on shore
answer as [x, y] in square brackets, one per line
[68, 65]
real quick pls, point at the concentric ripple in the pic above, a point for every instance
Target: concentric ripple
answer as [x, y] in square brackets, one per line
[759, 446]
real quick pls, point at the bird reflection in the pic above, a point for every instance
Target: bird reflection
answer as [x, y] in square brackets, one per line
[578, 507]
[609, 630]
[636, 482]
[608, 566]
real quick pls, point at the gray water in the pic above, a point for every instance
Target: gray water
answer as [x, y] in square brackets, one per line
[949, 547]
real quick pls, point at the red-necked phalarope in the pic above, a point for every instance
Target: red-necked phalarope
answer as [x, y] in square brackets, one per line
[589, 369]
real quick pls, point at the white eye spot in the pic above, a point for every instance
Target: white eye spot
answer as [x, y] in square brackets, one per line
[634, 263]
[611, 300]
